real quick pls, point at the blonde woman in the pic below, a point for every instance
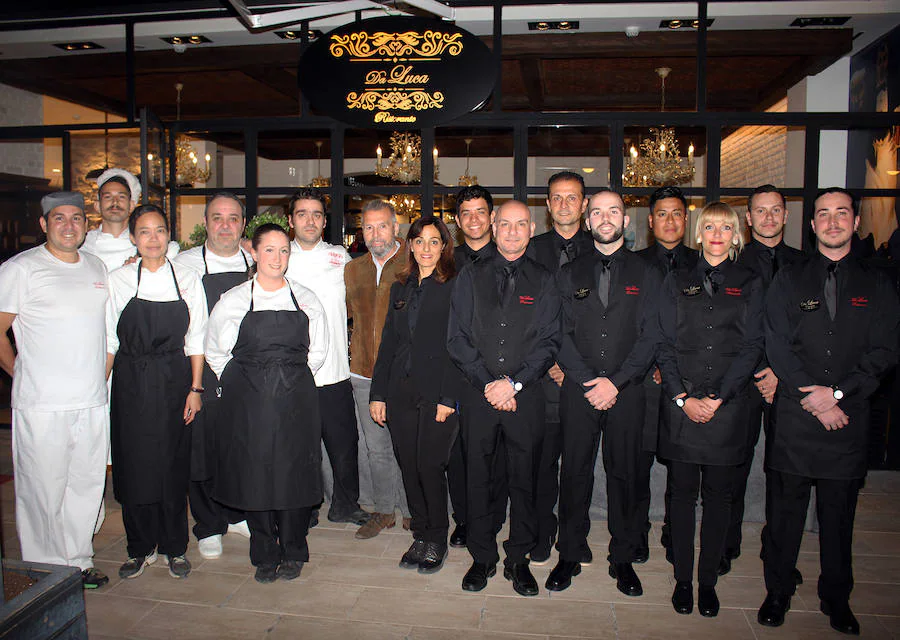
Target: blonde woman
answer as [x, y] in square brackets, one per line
[712, 339]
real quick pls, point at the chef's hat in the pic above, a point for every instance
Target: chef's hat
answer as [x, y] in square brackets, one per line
[131, 182]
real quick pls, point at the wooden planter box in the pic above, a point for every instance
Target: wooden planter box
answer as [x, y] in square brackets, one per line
[53, 607]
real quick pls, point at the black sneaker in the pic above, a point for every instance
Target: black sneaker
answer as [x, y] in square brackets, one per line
[93, 579]
[133, 567]
[265, 573]
[289, 569]
[179, 567]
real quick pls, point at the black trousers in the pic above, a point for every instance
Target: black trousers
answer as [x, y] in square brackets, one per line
[457, 479]
[422, 448]
[522, 432]
[836, 510]
[210, 517]
[582, 428]
[759, 414]
[278, 535]
[160, 525]
[648, 458]
[340, 435]
[548, 484]
[714, 484]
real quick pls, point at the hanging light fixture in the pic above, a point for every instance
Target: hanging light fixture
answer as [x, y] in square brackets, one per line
[405, 162]
[466, 180]
[319, 181]
[661, 163]
[187, 163]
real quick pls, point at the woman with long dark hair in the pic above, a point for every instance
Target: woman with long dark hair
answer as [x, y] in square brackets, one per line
[266, 337]
[712, 339]
[414, 387]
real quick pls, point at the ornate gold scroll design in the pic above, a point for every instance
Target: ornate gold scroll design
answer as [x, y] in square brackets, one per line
[399, 100]
[408, 45]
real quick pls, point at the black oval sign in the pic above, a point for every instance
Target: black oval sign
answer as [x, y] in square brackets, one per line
[397, 73]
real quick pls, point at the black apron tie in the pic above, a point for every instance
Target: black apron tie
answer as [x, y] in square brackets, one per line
[568, 252]
[831, 290]
[507, 285]
[711, 281]
[603, 281]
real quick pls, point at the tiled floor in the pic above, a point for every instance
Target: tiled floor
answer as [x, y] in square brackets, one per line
[354, 589]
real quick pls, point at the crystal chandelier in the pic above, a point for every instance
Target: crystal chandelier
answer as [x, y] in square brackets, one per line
[187, 164]
[405, 162]
[406, 205]
[319, 181]
[661, 163]
[465, 180]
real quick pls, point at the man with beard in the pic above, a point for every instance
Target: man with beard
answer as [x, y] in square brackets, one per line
[118, 193]
[667, 220]
[564, 242]
[610, 335]
[319, 266]
[368, 281]
[765, 254]
[221, 264]
[832, 323]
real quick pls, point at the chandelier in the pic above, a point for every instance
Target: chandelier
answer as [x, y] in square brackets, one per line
[406, 205]
[661, 163]
[187, 164]
[405, 162]
[465, 180]
[319, 181]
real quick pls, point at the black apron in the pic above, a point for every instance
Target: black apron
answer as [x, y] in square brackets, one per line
[150, 383]
[203, 457]
[268, 450]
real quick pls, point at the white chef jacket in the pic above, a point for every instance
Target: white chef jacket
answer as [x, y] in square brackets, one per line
[322, 270]
[59, 329]
[158, 286]
[227, 315]
[114, 251]
[193, 258]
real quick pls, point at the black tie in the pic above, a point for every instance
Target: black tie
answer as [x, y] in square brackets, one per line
[603, 282]
[568, 252]
[508, 285]
[710, 284]
[770, 260]
[831, 289]
[670, 262]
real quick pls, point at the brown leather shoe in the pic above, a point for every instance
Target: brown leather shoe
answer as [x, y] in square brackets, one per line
[376, 523]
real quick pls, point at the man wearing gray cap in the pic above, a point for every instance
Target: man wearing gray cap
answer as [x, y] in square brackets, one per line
[118, 192]
[54, 298]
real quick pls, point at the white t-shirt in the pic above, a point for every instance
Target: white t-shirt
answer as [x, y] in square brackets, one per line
[157, 286]
[322, 270]
[59, 329]
[227, 315]
[114, 251]
[193, 258]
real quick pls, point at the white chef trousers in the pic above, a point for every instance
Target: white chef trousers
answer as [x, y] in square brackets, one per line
[59, 460]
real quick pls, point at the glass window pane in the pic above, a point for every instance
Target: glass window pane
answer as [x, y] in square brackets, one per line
[487, 157]
[755, 155]
[294, 158]
[661, 155]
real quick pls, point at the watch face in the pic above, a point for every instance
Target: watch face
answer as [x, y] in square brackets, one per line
[517, 386]
[838, 394]
[679, 402]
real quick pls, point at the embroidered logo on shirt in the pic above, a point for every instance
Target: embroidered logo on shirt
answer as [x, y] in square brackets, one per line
[526, 300]
[809, 305]
[335, 259]
[581, 294]
[631, 290]
[733, 291]
[399, 304]
[692, 290]
[99, 285]
[859, 301]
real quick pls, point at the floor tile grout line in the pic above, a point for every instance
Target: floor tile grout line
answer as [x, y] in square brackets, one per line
[750, 624]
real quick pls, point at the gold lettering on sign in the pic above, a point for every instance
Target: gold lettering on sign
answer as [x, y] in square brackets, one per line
[395, 46]
[384, 116]
[372, 100]
[376, 77]
[402, 74]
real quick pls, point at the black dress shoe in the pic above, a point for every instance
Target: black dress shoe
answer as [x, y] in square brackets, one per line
[560, 578]
[707, 602]
[458, 537]
[522, 580]
[357, 516]
[842, 619]
[641, 555]
[798, 577]
[724, 567]
[771, 613]
[477, 576]
[289, 569]
[683, 597]
[733, 553]
[627, 580]
[433, 557]
[413, 555]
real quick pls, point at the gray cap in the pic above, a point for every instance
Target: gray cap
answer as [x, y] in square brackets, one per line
[60, 199]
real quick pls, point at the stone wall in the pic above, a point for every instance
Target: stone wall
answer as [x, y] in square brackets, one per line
[752, 156]
[19, 107]
[89, 152]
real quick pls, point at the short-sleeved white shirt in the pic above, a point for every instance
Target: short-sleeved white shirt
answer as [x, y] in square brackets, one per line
[59, 328]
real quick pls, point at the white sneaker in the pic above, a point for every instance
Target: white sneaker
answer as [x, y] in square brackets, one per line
[210, 547]
[240, 528]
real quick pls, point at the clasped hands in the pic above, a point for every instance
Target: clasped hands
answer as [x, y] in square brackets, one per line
[820, 402]
[700, 410]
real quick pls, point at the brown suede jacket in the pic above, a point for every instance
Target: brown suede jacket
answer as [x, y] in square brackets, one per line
[367, 306]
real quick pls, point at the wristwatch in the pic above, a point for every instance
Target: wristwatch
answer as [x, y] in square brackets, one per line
[517, 386]
[837, 393]
[679, 402]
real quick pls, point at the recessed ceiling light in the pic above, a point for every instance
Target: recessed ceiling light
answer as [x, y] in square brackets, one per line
[831, 21]
[190, 39]
[77, 46]
[313, 34]
[683, 23]
[558, 25]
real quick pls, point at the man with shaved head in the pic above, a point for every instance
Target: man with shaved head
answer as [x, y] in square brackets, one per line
[503, 334]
